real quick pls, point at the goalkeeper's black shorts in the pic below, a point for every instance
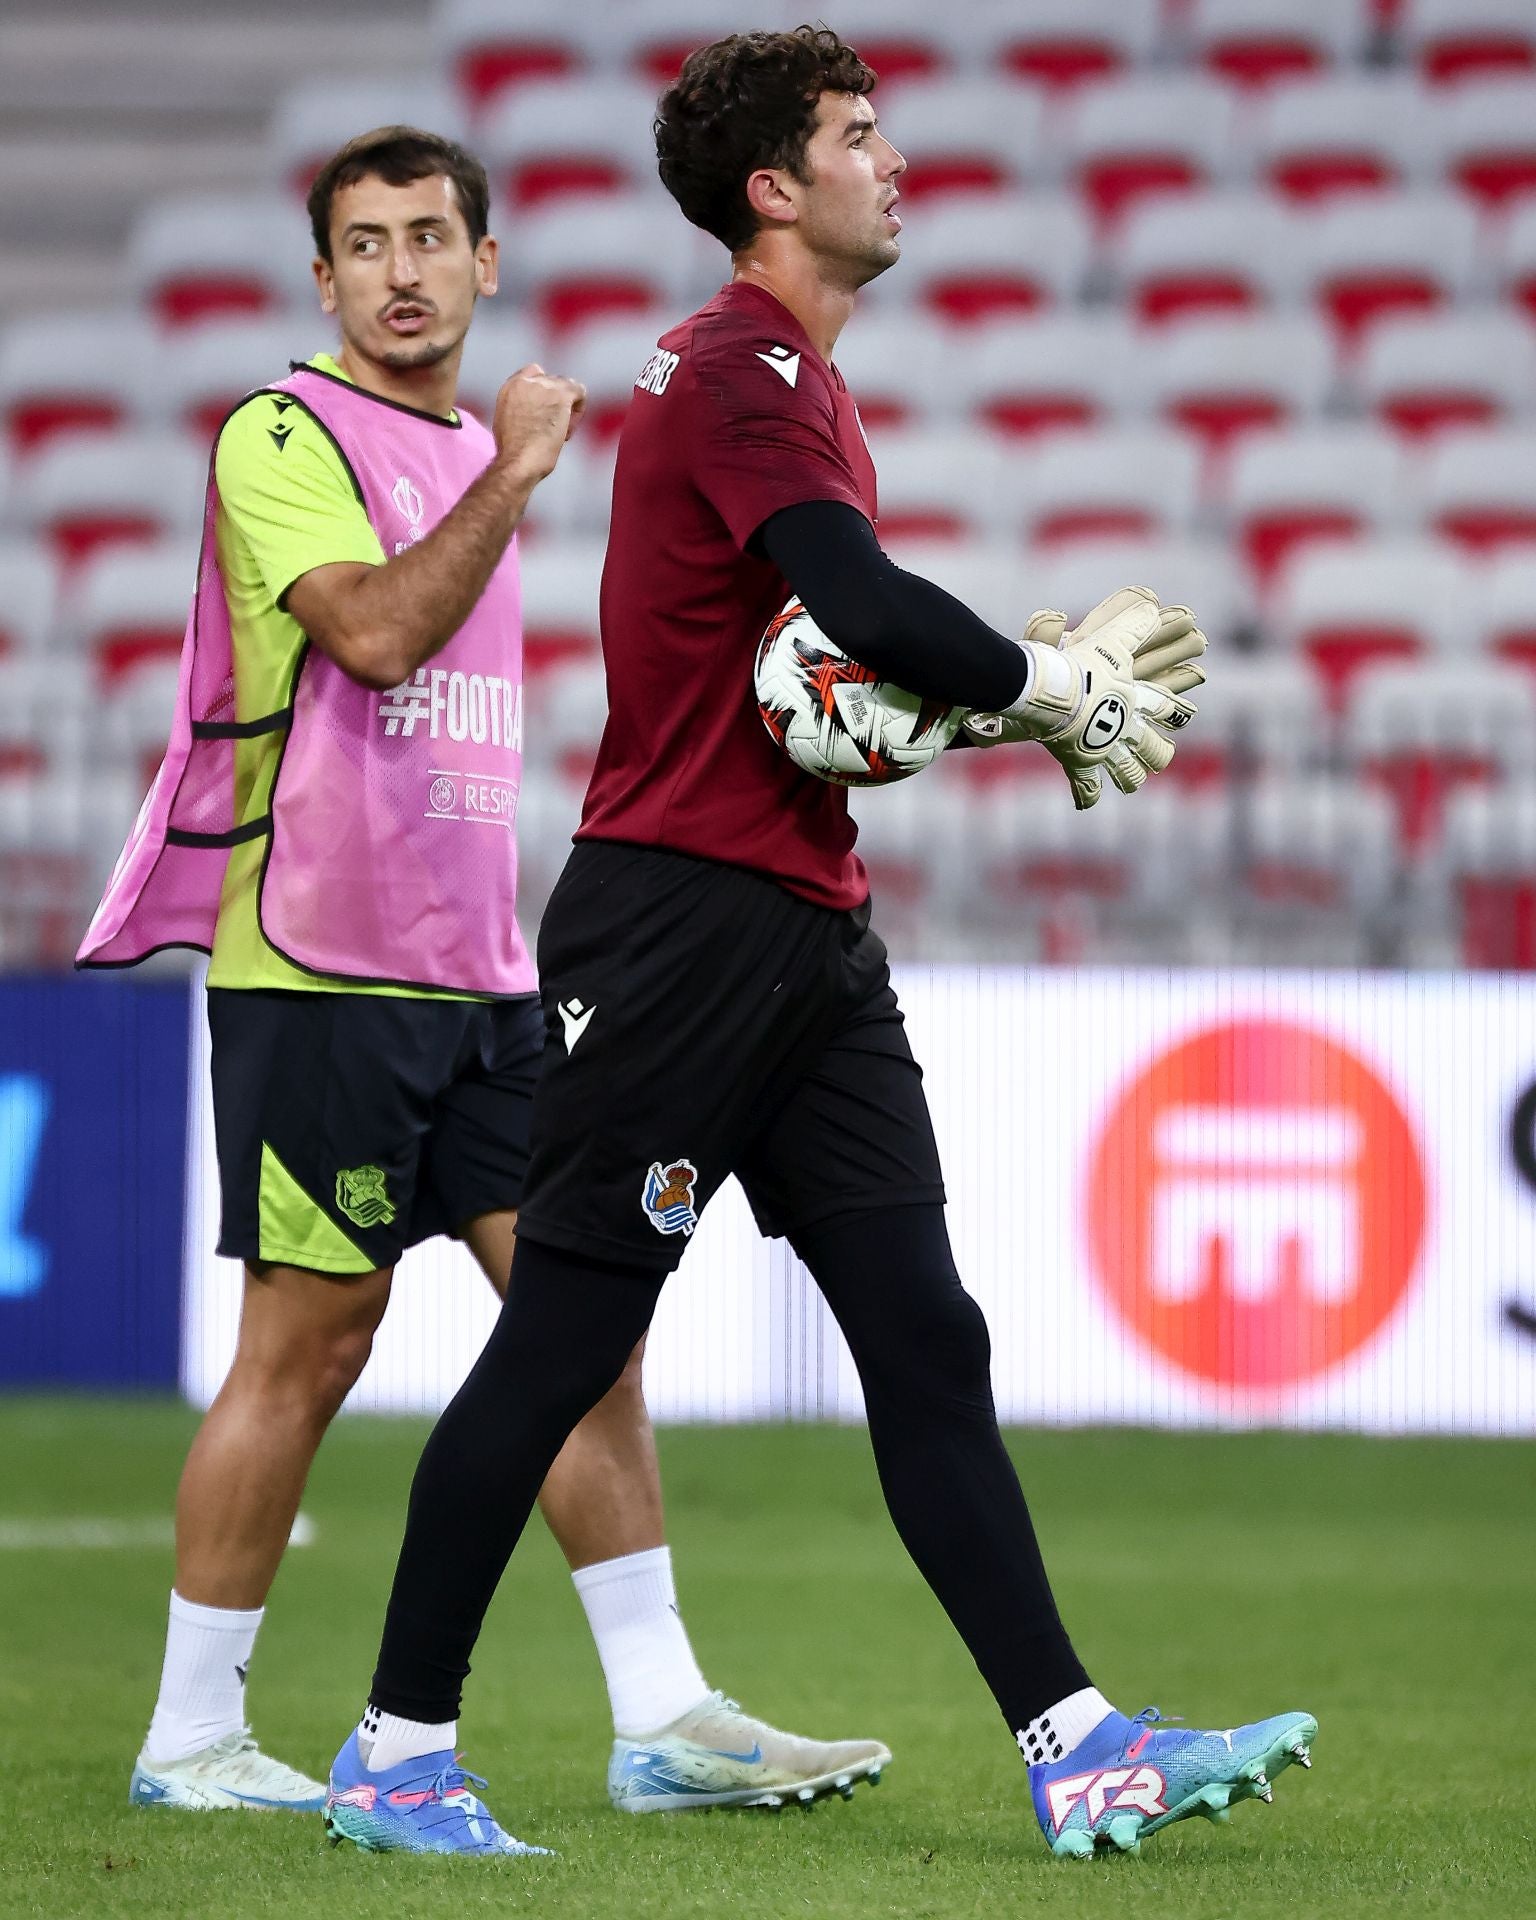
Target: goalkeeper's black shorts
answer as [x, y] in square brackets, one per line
[701, 1021]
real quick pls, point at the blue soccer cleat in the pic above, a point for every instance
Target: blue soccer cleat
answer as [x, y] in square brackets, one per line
[1131, 1777]
[422, 1806]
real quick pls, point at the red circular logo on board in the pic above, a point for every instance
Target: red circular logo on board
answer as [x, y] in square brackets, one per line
[1256, 1204]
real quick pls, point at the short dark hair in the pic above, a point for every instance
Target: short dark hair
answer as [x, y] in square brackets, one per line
[746, 102]
[397, 156]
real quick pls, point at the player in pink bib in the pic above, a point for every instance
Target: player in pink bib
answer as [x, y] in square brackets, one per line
[334, 821]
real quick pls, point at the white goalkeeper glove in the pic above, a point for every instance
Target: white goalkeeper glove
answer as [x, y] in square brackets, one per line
[1096, 697]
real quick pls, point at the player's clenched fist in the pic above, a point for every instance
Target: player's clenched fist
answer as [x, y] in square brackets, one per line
[1097, 697]
[536, 413]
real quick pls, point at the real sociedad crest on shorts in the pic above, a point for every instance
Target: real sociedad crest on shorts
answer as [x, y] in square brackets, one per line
[668, 1196]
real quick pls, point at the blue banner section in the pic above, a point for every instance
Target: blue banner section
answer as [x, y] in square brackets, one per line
[93, 1127]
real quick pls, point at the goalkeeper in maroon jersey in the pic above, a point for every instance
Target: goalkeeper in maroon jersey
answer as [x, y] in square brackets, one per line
[713, 924]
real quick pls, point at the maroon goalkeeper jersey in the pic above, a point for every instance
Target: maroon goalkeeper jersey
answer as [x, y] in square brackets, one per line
[735, 416]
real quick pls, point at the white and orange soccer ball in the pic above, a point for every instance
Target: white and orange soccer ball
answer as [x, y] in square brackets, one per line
[835, 718]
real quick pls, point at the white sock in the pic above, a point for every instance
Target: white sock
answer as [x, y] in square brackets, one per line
[1061, 1729]
[384, 1740]
[202, 1684]
[653, 1678]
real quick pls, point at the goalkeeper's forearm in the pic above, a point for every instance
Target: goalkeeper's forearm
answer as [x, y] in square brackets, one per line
[902, 627]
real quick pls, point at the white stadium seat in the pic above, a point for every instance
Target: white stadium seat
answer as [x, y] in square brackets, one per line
[937, 483]
[989, 256]
[652, 38]
[587, 134]
[46, 709]
[899, 367]
[1428, 372]
[987, 575]
[968, 135]
[488, 46]
[1031, 377]
[1478, 488]
[503, 338]
[1113, 483]
[1506, 607]
[1348, 608]
[1517, 259]
[204, 375]
[91, 490]
[136, 718]
[1196, 253]
[608, 356]
[1484, 879]
[1348, 132]
[1225, 377]
[1318, 861]
[1259, 714]
[1289, 488]
[1453, 41]
[1485, 137]
[618, 253]
[560, 580]
[29, 596]
[204, 255]
[314, 118]
[905, 40]
[1063, 43]
[1260, 42]
[69, 372]
[130, 606]
[1364, 256]
[1146, 134]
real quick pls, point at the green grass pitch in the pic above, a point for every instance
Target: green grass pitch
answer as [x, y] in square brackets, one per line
[1387, 1586]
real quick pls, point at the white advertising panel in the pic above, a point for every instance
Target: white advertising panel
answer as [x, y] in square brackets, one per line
[1182, 1198]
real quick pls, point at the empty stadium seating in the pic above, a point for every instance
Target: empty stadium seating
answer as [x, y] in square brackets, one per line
[1234, 296]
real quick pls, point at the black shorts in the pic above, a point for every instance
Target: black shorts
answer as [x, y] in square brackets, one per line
[350, 1126]
[702, 1021]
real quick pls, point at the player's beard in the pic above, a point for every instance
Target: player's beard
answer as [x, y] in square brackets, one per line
[412, 359]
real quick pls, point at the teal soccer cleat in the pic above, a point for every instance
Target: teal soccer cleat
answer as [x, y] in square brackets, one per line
[422, 1806]
[1130, 1778]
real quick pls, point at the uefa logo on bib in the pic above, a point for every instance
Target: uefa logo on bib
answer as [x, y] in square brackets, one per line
[1255, 1205]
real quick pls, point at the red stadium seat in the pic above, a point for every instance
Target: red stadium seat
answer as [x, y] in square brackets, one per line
[491, 45]
[1118, 483]
[964, 136]
[46, 705]
[1223, 378]
[1032, 377]
[130, 608]
[1456, 40]
[1354, 607]
[583, 135]
[1422, 729]
[1366, 256]
[72, 372]
[1200, 254]
[1423, 375]
[220, 255]
[991, 256]
[608, 357]
[1287, 490]
[1064, 43]
[1259, 716]
[1256, 43]
[1479, 489]
[1486, 139]
[92, 490]
[1345, 133]
[1130, 138]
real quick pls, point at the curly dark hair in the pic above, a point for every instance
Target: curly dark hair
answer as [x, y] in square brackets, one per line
[746, 102]
[397, 156]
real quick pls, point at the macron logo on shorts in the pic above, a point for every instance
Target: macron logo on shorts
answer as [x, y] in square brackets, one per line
[576, 1019]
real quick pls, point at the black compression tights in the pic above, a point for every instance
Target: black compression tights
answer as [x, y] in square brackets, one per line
[562, 1340]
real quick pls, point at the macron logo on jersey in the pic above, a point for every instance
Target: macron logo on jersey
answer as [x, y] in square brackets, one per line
[784, 363]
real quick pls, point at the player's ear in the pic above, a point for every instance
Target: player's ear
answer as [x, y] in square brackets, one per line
[487, 266]
[769, 199]
[325, 280]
